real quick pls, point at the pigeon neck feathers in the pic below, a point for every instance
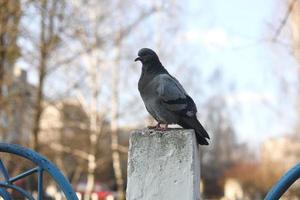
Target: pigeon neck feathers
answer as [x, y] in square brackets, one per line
[149, 71]
[153, 68]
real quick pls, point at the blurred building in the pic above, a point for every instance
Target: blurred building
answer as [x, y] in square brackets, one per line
[278, 155]
[63, 122]
[17, 108]
[233, 190]
[65, 138]
[283, 150]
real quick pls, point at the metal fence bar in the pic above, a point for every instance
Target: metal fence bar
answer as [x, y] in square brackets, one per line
[284, 183]
[24, 174]
[43, 163]
[19, 189]
[40, 184]
[4, 194]
[4, 171]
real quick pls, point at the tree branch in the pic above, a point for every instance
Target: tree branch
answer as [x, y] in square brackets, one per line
[66, 149]
[284, 20]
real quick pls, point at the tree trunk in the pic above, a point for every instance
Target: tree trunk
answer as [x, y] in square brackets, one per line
[94, 132]
[3, 46]
[10, 13]
[42, 73]
[114, 123]
[2, 60]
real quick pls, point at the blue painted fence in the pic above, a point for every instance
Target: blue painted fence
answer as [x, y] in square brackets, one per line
[43, 165]
[284, 183]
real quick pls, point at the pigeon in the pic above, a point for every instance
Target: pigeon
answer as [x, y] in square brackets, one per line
[165, 98]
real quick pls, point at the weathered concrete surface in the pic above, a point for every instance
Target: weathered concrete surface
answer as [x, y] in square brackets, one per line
[163, 165]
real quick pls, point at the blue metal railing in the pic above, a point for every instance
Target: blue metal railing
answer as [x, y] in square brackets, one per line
[43, 165]
[284, 183]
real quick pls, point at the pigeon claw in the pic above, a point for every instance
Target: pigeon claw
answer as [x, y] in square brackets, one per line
[162, 128]
[156, 127]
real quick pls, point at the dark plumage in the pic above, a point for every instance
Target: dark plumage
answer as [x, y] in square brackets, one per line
[165, 98]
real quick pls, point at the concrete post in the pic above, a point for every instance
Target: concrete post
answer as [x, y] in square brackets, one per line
[163, 165]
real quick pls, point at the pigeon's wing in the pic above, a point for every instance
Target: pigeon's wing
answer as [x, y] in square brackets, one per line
[174, 97]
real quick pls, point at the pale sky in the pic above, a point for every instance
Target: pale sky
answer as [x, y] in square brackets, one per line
[234, 35]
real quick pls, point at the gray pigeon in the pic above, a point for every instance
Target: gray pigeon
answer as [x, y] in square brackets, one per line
[164, 97]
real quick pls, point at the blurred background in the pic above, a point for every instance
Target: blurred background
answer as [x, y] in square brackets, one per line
[68, 86]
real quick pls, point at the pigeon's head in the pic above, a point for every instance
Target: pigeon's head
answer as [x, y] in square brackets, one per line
[146, 55]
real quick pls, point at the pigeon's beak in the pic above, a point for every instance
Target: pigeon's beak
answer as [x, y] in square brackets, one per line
[138, 58]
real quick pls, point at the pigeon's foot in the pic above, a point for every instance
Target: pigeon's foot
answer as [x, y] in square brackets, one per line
[162, 128]
[156, 127]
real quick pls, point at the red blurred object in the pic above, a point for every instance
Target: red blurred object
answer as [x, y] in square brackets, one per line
[101, 190]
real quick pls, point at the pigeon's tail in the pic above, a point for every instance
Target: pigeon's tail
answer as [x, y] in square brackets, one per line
[193, 123]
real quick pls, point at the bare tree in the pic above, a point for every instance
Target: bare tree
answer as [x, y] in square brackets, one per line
[10, 13]
[221, 154]
[114, 120]
[95, 125]
[295, 28]
[48, 41]
[96, 62]
[294, 10]
[83, 56]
